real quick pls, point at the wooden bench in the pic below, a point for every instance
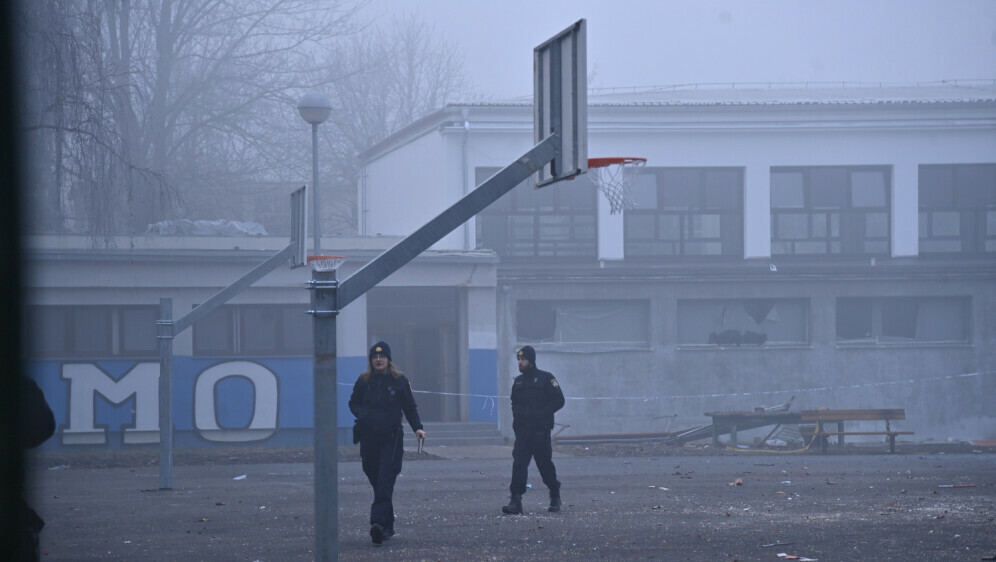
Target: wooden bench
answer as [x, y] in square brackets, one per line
[730, 422]
[822, 416]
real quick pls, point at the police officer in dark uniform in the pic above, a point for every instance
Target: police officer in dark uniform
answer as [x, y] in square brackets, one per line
[380, 395]
[536, 395]
[35, 425]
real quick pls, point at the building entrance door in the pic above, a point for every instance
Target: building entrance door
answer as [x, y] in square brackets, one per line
[420, 325]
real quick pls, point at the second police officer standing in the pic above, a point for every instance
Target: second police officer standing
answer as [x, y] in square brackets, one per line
[536, 395]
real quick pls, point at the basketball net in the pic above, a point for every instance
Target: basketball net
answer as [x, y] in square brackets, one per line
[614, 177]
[325, 263]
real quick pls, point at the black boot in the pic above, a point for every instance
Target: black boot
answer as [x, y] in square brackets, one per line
[514, 506]
[554, 500]
[377, 533]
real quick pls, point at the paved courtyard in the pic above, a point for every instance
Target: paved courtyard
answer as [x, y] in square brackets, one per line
[722, 506]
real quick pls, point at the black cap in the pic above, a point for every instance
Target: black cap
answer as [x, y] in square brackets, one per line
[380, 348]
[527, 352]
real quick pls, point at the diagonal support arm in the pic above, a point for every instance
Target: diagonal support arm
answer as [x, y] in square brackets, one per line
[460, 212]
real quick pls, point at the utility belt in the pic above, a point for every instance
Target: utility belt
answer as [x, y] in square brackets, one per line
[359, 432]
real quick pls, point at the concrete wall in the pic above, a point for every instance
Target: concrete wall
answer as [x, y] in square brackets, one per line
[946, 390]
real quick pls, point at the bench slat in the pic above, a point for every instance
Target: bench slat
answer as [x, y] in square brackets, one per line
[882, 411]
[863, 433]
[856, 417]
[854, 414]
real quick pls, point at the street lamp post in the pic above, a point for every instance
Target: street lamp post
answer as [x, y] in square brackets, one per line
[314, 108]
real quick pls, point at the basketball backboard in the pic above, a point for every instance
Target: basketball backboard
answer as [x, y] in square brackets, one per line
[560, 103]
[299, 227]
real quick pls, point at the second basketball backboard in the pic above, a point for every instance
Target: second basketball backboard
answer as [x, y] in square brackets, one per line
[560, 103]
[298, 233]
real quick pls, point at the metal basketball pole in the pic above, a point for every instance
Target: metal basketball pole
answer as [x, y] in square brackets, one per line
[165, 334]
[324, 292]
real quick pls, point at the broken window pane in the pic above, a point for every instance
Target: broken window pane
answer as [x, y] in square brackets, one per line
[899, 319]
[903, 319]
[739, 322]
[854, 319]
[622, 322]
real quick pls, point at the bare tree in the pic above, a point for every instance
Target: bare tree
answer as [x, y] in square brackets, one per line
[383, 80]
[148, 108]
[144, 110]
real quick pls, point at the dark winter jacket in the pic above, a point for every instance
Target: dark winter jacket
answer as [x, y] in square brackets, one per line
[536, 395]
[379, 402]
[37, 422]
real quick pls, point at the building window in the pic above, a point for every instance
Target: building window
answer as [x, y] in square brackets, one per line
[957, 209]
[556, 221]
[139, 330]
[743, 322]
[601, 323]
[254, 329]
[92, 331]
[686, 212]
[842, 210]
[903, 320]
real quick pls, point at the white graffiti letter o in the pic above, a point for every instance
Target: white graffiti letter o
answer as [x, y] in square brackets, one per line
[264, 417]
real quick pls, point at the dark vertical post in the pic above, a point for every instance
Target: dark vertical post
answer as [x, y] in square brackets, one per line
[324, 295]
[12, 333]
[165, 336]
[557, 165]
[317, 213]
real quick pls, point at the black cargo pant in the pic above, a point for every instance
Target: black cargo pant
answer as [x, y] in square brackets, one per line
[381, 455]
[533, 444]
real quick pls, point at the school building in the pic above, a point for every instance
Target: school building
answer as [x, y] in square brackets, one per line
[833, 246]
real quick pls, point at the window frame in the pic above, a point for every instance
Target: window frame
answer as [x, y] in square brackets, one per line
[976, 220]
[558, 221]
[844, 221]
[720, 336]
[884, 315]
[685, 215]
[641, 308]
[110, 330]
[237, 317]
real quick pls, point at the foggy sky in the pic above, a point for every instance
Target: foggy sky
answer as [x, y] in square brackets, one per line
[667, 42]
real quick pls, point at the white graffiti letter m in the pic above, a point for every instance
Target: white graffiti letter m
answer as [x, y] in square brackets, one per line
[86, 380]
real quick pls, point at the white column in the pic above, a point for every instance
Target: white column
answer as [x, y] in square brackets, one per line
[353, 342]
[757, 211]
[905, 209]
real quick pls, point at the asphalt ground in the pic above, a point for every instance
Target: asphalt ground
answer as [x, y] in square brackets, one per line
[679, 504]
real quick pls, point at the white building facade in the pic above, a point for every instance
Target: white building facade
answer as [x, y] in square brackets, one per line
[834, 247]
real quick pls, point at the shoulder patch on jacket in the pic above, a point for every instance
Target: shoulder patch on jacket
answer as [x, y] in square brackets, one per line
[554, 383]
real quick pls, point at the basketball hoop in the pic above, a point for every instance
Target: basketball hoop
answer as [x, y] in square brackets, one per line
[325, 263]
[614, 176]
